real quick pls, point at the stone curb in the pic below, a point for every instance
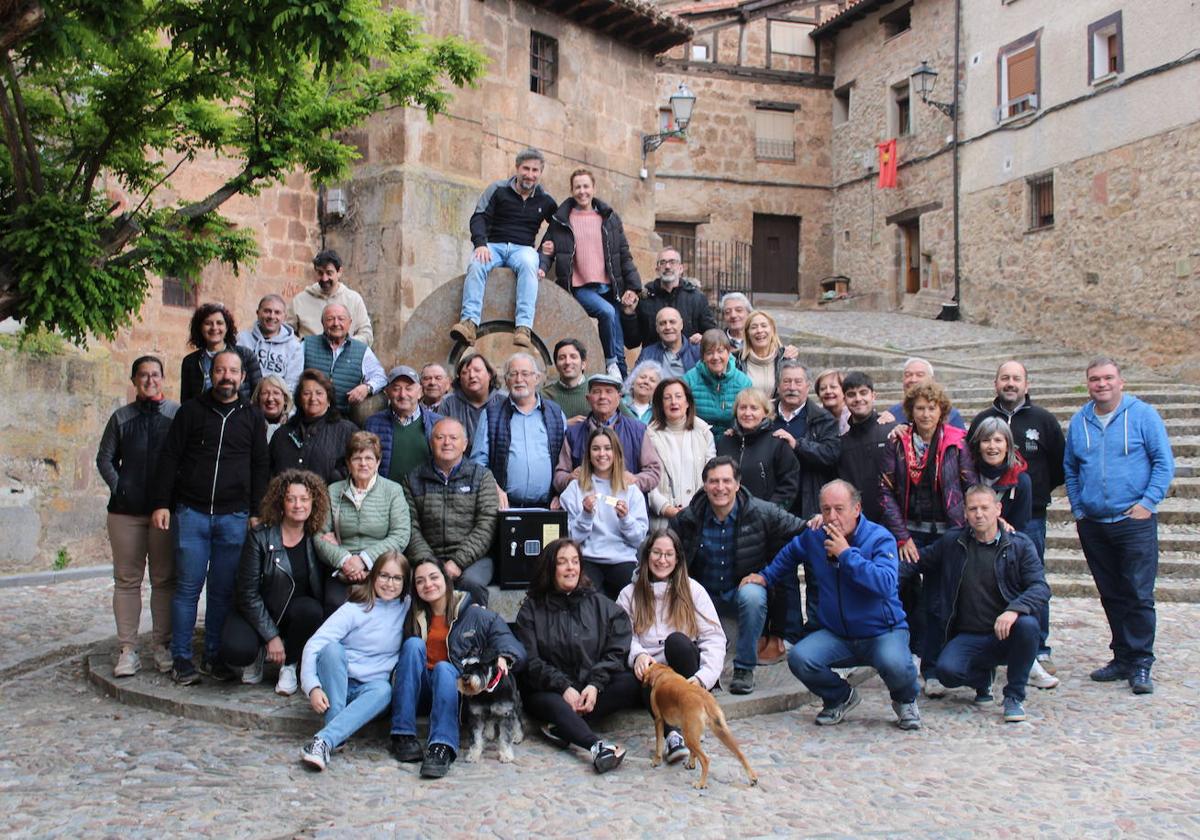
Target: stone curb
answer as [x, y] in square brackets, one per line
[54, 576]
[258, 708]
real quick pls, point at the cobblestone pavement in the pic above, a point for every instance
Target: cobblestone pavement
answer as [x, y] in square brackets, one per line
[1092, 760]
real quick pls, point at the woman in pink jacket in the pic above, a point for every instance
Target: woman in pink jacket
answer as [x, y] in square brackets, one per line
[674, 622]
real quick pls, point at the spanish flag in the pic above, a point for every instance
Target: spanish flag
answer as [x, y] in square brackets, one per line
[887, 164]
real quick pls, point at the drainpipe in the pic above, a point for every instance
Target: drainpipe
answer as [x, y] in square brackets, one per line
[957, 114]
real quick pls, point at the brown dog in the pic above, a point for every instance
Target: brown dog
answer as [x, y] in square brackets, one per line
[677, 702]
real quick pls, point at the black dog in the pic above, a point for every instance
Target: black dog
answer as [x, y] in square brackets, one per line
[492, 703]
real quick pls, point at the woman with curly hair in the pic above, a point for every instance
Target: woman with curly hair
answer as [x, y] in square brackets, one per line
[280, 582]
[213, 329]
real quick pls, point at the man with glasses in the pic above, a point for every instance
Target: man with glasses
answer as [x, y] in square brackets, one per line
[520, 438]
[671, 289]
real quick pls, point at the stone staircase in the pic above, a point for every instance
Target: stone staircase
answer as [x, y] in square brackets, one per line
[965, 357]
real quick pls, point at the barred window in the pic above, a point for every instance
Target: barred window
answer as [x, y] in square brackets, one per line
[775, 134]
[179, 292]
[543, 64]
[1041, 200]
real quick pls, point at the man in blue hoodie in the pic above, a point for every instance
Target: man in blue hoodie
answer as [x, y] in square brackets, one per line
[854, 566]
[1118, 467]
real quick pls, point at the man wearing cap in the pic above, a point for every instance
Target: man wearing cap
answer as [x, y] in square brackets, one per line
[405, 427]
[519, 438]
[641, 459]
[307, 309]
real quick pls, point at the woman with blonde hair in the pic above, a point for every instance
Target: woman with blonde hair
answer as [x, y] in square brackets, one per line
[762, 353]
[272, 398]
[769, 467]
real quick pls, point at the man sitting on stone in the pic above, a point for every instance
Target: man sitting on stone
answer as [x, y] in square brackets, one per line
[308, 308]
[993, 586]
[274, 342]
[728, 534]
[519, 438]
[641, 459]
[435, 385]
[570, 389]
[671, 289]
[916, 371]
[349, 362]
[672, 351]
[476, 387]
[453, 503]
[405, 427]
[735, 310]
[854, 566]
[503, 229]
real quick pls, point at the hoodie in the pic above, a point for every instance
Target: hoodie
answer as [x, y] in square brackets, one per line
[1108, 470]
[280, 355]
[304, 312]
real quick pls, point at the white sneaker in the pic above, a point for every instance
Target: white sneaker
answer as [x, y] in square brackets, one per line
[1039, 677]
[162, 659]
[128, 663]
[934, 688]
[252, 674]
[287, 683]
[613, 370]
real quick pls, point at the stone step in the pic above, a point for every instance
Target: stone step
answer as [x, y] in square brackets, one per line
[1171, 511]
[1181, 488]
[1165, 589]
[1177, 540]
[1064, 412]
[1170, 565]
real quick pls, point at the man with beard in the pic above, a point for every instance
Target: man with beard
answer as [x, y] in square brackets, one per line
[214, 467]
[307, 308]
[670, 288]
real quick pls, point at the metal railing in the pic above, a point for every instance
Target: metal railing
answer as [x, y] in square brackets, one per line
[717, 266]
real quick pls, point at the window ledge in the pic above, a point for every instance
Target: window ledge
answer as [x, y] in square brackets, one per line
[1018, 117]
[899, 34]
[1040, 229]
[1107, 78]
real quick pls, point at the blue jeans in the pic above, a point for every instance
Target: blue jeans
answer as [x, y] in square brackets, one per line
[206, 547]
[1123, 559]
[1035, 529]
[520, 258]
[967, 659]
[749, 604]
[814, 657]
[597, 301]
[352, 704]
[421, 690]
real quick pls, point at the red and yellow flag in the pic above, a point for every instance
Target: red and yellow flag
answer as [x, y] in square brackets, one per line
[887, 164]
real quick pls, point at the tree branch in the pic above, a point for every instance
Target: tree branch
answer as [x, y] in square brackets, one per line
[161, 181]
[31, 150]
[15, 152]
[20, 26]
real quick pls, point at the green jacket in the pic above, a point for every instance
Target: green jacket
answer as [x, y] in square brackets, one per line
[453, 519]
[379, 524]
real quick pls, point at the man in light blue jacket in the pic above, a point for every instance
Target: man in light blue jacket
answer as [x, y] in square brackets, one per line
[1118, 467]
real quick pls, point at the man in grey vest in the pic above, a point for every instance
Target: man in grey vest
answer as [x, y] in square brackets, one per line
[350, 363]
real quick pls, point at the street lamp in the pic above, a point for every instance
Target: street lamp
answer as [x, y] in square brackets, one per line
[682, 101]
[924, 78]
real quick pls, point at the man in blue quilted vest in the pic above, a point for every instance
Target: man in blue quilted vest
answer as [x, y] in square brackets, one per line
[519, 438]
[350, 363]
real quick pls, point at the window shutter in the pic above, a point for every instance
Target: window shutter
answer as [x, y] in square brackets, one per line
[1022, 73]
[775, 133]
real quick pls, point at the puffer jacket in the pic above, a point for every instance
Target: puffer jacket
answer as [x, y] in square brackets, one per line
[714, 396]
[619, 267]
[191, 372]
[265, 582]
[380, 523]
[573, 639]
[319, 446]
[954, 472]
[769, 469]
[692, 304]
[452, 519]
[474, 631]
[128, 454]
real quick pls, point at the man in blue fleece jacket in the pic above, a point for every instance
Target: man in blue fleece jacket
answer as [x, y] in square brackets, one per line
[854, 567]
[1118, 467]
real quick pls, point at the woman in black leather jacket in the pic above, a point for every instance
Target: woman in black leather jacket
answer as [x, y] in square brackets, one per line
[280, 582]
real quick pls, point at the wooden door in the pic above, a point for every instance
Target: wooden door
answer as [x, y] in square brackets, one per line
[776, 260]
[910, 256]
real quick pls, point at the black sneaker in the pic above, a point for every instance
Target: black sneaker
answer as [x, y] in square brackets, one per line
[315, 754]
[184, 672]
[217, 669]
[438, 759]
[406, 748]
[551, 733]
[742, 682]
[1112, 672]
[1139, 680]
[606, 757]
[676, 750]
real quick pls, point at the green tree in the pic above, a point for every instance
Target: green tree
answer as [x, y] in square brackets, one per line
[135, 90]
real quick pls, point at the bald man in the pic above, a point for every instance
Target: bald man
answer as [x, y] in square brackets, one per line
[349, 362]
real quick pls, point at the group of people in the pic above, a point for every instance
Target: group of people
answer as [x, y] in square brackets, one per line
[352, 549]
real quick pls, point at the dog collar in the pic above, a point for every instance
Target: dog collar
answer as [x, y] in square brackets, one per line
[495, 681]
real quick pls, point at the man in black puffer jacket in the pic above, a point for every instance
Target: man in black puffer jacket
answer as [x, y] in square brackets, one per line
[671, 288]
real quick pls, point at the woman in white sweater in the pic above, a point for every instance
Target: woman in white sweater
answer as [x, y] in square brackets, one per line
[674, 622]
[347, 665]
[606, 516]
[684, 444]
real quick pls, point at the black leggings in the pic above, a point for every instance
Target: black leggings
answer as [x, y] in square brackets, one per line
[683, 657]
[609, 578]
[623, 692]
[240, 642]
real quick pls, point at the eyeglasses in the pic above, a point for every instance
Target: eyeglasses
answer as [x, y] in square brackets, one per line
[396, 579]
[522, 374]
[668, 262]
[654, 552]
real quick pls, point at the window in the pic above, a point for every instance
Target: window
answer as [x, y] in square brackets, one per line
[1041, 201]
[792, 38]
[177, 292]
[894, 23]
[900, 117]
[700, 52]
[775, 134]
[841, 104]
[1019, 76]
[1105, 49]
[543, 64]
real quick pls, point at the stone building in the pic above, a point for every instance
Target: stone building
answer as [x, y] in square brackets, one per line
[752, 174]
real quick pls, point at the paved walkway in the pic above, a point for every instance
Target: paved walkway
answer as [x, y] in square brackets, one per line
[1092, 760]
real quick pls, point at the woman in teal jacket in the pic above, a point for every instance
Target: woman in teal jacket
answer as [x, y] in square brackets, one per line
[716, 382]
